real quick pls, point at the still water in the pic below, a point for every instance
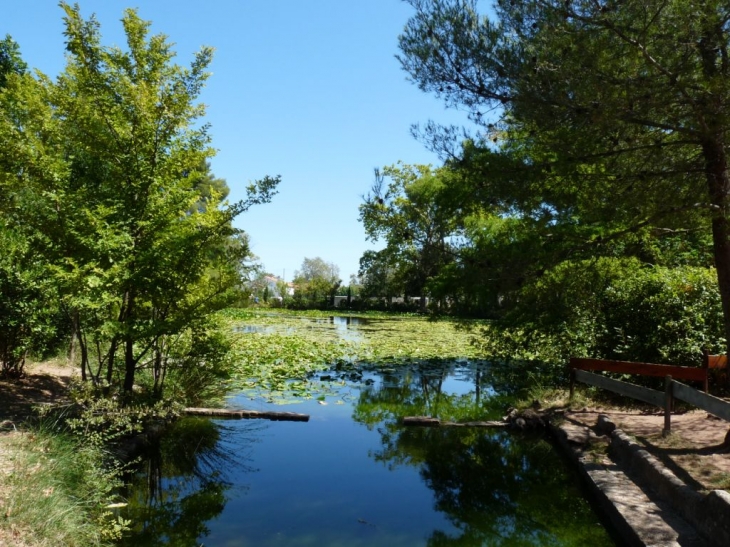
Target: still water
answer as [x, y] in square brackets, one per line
[352, 476]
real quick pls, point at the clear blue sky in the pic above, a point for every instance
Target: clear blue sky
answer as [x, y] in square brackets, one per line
[306, 89]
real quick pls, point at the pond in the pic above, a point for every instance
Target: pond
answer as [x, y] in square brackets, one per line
[345, 327]
[353, 476]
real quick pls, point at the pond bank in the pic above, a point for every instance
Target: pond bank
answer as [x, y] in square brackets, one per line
[646, 502]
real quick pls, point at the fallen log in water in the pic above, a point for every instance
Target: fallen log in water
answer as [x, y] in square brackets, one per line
[247, 414]
[428, 421]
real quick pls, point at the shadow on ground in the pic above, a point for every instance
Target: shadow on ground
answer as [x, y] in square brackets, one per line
[18, 396]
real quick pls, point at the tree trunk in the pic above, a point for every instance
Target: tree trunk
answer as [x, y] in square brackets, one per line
[719, 189]
[110, 360]
[129, 362]
[157, 370]
[71, 354]
[82, 346]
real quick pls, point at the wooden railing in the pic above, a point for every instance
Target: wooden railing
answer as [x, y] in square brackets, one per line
[672, 389]
[699, 374]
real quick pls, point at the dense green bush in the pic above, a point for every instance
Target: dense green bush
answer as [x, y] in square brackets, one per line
[662, 315]
[610, 308]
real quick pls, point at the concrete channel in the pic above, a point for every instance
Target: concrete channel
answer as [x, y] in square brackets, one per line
[645, 503]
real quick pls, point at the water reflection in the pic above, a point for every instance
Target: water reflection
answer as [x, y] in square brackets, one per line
[252, 329]
[181, 484]
[338, 320]
[495, 488]
[354, 476]
[345, 327]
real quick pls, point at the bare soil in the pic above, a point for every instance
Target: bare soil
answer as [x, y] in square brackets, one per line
[695, 450]
[42, 384]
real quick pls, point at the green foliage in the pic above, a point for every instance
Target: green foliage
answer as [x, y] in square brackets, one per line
[315, 285]
[664, 315]
[613, 309]
[200, 364]
[103, 422]
[106, 171]
[408, 215]
[594, 131]
[10, 60]
[29, 314]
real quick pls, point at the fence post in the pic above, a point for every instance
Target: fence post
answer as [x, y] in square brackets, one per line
[706, 366]
[572, 382]
[668, 404]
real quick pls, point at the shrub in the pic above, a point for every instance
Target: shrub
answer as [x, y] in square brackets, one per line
[610, 308]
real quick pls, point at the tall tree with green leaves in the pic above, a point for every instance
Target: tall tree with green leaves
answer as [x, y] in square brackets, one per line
[28, 310]
[10, 59]
[622, 106]
[408, 214]
[316, 282]
[106, 166]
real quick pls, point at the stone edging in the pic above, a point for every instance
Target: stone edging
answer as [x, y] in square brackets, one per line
[708, 513]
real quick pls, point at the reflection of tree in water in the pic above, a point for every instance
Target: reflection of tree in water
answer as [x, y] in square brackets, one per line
[179, 486]
[502, 490]
[418, 390]
[496, 488]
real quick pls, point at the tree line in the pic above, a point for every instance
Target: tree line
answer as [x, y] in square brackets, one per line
[117, 238]
[589, 211]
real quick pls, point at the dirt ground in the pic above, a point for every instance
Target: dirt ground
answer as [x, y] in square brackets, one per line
[43, 383]
[694, 451]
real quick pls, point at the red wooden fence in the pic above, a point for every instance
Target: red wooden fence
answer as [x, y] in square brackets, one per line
[697, 374]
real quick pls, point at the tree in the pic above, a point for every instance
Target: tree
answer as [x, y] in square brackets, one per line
[11, 61]
[316, 283]
[416, 227]
[622, 107]
[379, 274]
[212, 190]
[317, 268]
[104, 168]
[28, 316]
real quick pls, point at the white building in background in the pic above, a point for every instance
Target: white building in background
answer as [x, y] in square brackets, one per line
[273, 283]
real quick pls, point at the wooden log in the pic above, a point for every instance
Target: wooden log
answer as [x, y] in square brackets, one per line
[422, 420]
[247, 414]
[428, 421]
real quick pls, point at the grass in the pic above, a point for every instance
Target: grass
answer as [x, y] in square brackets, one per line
[720, 481]
[55, 492]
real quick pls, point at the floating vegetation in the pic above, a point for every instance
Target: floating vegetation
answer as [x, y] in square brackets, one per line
[277, 353]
